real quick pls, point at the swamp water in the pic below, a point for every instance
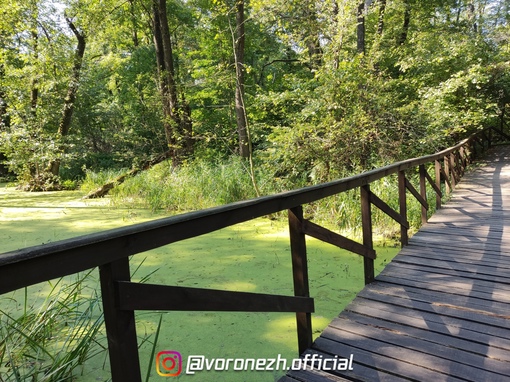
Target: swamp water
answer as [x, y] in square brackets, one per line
[251, 257]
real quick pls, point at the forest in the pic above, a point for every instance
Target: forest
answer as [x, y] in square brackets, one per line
[278, 93]
[169, 106]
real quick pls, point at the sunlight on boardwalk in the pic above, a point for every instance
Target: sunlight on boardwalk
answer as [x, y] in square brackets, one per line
[440, 310]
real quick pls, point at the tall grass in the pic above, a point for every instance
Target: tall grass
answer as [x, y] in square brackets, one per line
[199, 184]
[194, 185]
[52, 342]
[343, 211]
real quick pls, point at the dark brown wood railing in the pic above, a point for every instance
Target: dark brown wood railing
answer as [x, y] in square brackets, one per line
[110, 250]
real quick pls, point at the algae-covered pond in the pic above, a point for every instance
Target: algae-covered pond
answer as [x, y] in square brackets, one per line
[251, 257]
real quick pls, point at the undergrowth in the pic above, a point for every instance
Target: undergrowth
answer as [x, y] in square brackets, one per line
[199, 184]
[194, 185]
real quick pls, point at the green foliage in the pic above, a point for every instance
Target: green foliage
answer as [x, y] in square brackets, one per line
[28, 151]
[353, 119]
[316, 109]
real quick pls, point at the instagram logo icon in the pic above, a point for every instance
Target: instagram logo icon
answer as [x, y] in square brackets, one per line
[169, 363]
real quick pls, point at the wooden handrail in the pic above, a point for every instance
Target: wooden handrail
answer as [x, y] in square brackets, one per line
[85, 252]
[110, 250]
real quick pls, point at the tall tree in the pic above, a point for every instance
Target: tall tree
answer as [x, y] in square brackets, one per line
[360, 46]
[405, 25]
[239, 47]
[72, 90]
[382, 11]
[177, 115]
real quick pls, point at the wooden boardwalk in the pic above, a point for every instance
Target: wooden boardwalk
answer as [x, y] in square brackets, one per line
[440, 311]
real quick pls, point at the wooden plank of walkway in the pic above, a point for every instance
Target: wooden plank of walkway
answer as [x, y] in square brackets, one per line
[440, 311]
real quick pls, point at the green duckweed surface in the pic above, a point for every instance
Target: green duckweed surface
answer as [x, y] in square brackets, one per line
[251, 257]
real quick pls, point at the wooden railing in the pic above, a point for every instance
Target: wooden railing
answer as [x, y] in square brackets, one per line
[110, 251]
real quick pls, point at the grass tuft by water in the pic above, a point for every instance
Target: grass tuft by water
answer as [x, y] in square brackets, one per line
[51, 340]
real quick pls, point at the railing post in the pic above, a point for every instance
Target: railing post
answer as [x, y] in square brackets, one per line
[462, 161]
[466, 154]
[402, 198]
[437, 166]
[300, 275]
[366, 220]
[476, 143]
[453, 170]
[446, 162]
[458, 165]
[423, 192]
[120, 324]
[485, 138]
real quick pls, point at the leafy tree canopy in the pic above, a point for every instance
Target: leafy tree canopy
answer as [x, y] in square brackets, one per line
[317, 106]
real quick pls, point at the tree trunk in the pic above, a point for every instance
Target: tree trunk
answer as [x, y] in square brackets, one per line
[177, 118]
[34, 93]
[72, 90]
[361, 27]
[472, 17]
[311, 35]
[407, 21]
[244, 143]
[4, 116]
[458, 4]
[382, 11]
[136, 41]
[5, 120]
[168, 88]
[337, 46]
